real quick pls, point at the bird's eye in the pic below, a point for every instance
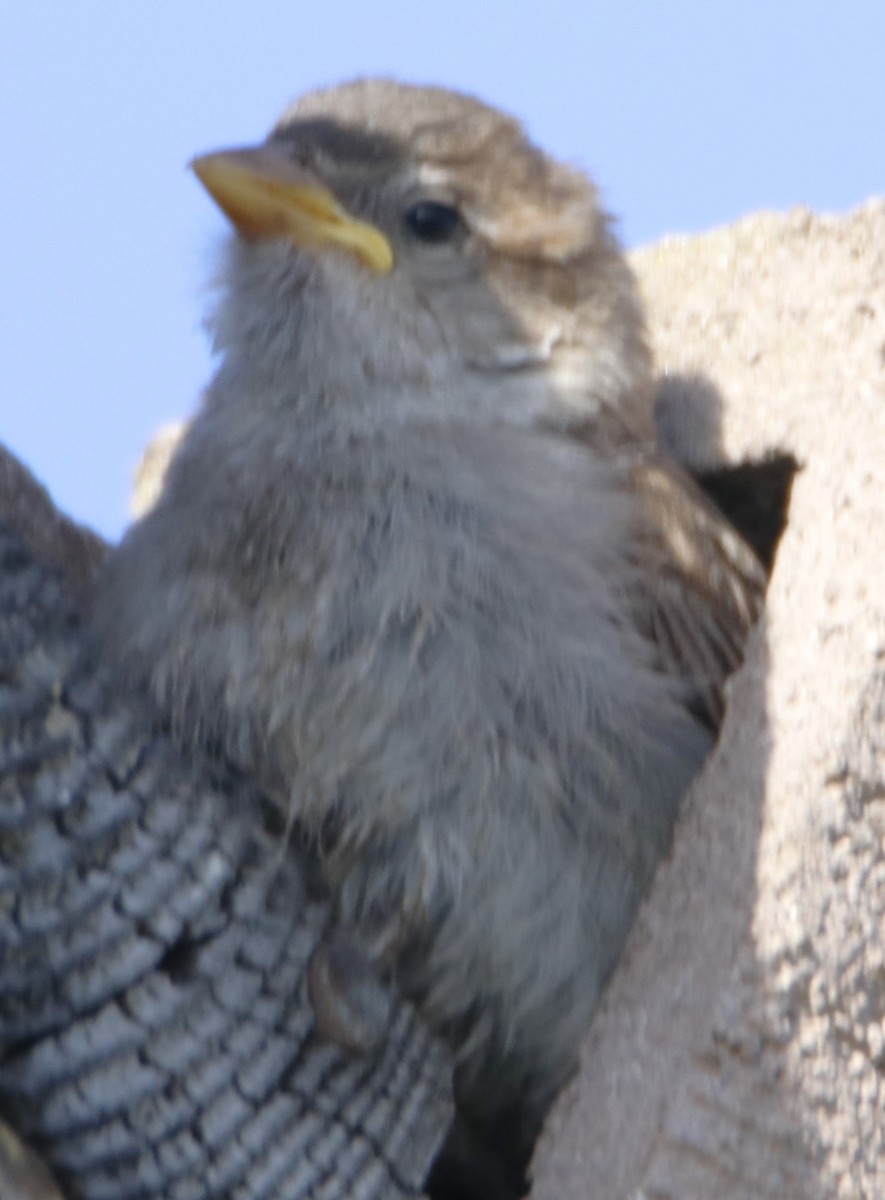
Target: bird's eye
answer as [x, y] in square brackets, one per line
[433, 222]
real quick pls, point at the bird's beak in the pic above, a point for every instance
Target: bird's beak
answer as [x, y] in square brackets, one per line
[266, 195]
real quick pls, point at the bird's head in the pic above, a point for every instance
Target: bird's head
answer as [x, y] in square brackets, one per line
[411, 248]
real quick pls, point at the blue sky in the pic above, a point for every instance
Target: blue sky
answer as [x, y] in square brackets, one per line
[687, 114]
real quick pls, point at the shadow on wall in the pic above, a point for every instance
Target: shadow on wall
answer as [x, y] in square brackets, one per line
[755, 496]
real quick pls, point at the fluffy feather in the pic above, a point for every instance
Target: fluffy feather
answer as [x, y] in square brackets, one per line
[417, 566]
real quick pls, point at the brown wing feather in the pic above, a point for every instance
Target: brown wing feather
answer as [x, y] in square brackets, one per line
[702, 584]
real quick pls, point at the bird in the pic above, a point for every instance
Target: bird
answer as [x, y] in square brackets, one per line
[419, 566]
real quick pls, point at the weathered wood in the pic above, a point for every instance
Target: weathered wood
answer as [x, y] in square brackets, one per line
[156, 1038]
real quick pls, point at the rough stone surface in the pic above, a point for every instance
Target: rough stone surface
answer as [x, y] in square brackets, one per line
[740, 1052]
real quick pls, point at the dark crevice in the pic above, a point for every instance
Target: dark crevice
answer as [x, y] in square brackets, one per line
[180, 962]
[755, 496]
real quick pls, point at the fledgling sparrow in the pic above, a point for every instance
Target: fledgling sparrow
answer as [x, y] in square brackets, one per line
[418, 565]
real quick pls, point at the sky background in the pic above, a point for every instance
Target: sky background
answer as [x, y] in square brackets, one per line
[688, 115]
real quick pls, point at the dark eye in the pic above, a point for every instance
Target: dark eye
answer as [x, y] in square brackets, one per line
[433, 222]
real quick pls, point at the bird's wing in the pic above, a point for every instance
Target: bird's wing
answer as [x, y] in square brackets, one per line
[701, 585]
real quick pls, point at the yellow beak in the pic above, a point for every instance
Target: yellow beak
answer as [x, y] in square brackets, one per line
[266, 195]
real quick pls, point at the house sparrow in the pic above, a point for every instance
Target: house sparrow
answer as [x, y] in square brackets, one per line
[418, 566]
